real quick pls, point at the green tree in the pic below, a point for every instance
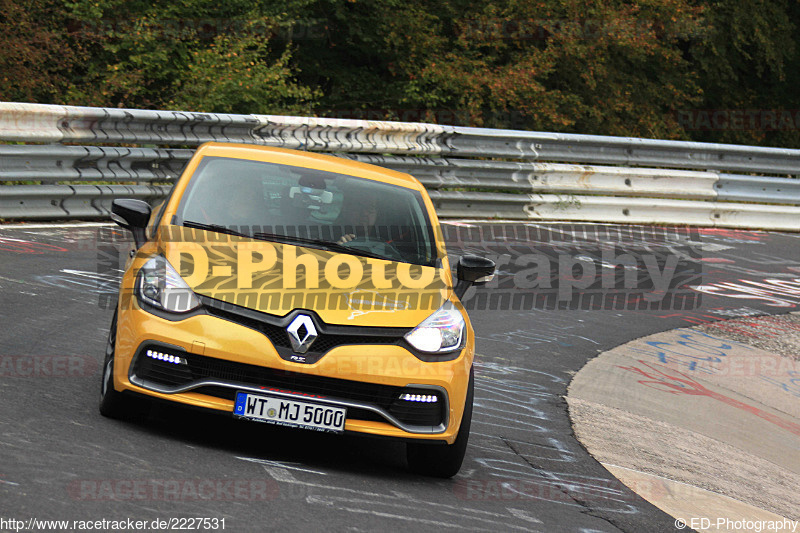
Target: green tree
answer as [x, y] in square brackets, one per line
[604, 68]
[749, 64]
[37, 50]
[189, 54]
[232, 76]
[647, 68]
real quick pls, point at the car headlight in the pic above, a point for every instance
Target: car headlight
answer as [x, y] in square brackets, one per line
[440, 332]
[159, 285]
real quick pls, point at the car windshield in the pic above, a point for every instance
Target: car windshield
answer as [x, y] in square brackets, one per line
[309, 207]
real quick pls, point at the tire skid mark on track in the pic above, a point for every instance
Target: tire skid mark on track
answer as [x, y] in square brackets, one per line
[513, 394]
[518, 483]
[83, 280]
[558, 330]
[281, 464]
[337, 501]
[373, 500]
[562, 454]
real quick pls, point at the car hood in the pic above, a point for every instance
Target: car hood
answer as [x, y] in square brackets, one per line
[278, 278]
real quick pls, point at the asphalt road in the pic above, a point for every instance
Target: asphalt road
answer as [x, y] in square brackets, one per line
[524, 470]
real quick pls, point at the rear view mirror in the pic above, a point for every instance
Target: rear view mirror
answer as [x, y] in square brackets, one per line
[473, 270]
[312, 182]
[312, 199]
[133, 215]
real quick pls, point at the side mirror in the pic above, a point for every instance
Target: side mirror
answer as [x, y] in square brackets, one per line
[132, 215]
[473, 270]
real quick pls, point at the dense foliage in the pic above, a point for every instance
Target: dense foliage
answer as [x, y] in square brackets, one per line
[711, 70]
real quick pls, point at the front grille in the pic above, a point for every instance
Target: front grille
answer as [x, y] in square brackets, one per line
[327, 342]
[323, 344]
[329, 336]
[199, 368]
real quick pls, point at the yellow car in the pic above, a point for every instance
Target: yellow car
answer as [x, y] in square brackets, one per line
[301, 290]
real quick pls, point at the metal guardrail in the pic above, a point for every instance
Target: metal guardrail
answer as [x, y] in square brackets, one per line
[519, 175]
[478, 142]
[66, 124]
[89, 163]
[620, 210]
[70, 201]
[757, 189]
[444, 173]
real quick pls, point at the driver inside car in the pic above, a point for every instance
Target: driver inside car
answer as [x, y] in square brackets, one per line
[364, 219]
[358, 216]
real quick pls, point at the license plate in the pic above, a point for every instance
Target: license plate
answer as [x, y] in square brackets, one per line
[286, 412]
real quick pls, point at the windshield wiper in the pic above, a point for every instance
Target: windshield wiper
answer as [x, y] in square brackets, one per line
[215, 227]
[317, 243]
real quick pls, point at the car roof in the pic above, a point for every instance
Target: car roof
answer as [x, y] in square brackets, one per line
[311, 160]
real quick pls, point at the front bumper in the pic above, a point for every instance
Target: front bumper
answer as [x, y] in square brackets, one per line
[219, 357]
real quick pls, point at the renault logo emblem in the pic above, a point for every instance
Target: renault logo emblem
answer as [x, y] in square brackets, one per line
[302, 333]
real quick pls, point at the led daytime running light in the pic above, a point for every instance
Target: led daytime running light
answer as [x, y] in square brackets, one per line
[424, 398]
[166, 357]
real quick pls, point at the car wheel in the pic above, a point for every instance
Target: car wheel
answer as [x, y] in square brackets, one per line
[114, 404]
[443, 460]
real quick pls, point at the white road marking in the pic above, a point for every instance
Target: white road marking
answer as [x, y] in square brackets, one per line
[280, 464]
[280, 474]
[315, 499]
[523, 515]
[287, 477]
[336, 501]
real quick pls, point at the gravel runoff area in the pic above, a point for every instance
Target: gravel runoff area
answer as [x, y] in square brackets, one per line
[779, 334]
[712, 410]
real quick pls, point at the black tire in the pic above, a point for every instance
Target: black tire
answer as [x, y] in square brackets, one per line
[439, 460]
[114, 404]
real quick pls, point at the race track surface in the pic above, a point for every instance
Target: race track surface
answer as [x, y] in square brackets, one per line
[524, 471]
